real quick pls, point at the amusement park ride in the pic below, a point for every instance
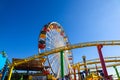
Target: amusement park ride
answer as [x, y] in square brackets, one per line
[54, 60]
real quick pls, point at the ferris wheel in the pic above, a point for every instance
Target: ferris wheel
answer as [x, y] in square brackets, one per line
[53, 36]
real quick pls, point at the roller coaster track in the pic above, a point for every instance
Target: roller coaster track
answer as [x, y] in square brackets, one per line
[116, 57]
[68, 47]
[114, 61]
[111, 65]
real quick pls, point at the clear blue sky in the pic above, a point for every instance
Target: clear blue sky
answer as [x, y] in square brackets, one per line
[82, 20]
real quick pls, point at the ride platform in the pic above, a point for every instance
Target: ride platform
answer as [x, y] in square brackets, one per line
[34, 65]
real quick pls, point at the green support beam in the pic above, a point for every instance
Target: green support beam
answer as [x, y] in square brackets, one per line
[62, 64]
[117, 72]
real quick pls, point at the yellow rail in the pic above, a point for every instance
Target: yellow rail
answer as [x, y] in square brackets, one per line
[98, 62]
[98, 59]
[110, 65]
[79, 45]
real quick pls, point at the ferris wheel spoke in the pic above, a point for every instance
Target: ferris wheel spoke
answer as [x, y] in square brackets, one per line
[66, 68]
[49, 46]
[50, 42]
[53, 62]
[56, 68]
[67, 63]
[49, 37]
[51, 58]
[58, 73]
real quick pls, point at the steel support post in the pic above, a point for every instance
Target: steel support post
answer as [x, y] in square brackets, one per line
[99, 47]
[62, 64]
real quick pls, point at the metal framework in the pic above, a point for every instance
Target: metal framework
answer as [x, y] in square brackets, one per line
[114, 61]
[68, 47]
